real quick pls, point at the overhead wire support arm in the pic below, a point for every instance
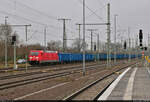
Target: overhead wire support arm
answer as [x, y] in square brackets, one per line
[108, 32]
[94, 24]
[26, 32]
[20, 25]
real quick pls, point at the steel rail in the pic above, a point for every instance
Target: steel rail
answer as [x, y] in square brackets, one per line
[31, 68]
[70, 97]
[40, 72]
[42, 78]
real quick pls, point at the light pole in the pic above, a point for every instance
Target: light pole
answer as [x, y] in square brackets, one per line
[115, 23]
[108, 37]
[79, 37]
[129, 45]
[91, 30]
[64, 33]
[6, 32]
[45, 38]
[83, 37]
[98, 45]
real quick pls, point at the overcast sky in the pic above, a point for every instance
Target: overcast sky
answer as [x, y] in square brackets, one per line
[39, 13]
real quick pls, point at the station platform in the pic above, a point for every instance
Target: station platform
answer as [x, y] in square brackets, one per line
[132, 84]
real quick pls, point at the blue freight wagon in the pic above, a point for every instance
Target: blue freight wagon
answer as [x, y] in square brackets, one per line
[103, 56]
[64, 57]
[73, 57]
[89, 57]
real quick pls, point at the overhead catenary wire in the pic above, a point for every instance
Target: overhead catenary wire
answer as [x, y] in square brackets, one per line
[27, 19]
[92, 11]
[35, 10]
[44, 14]
[38, 33]
[41, 23]
[100, 2]
[37, 22]
[91, 14]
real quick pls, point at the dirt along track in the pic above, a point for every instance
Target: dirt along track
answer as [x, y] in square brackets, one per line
[44, 69]
[33, 69]
[43, 72]
[23, 90]
[93, 90]
[27, 78]
[47, 70]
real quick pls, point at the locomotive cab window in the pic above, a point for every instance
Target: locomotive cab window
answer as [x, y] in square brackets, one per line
[34, 53]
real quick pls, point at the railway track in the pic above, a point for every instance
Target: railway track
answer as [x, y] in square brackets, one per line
[40, 67]
[8, 85]
[42, 72]
[35, 67]
[84, 89]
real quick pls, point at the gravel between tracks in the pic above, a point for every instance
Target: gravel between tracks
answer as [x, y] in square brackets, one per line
[43, 73]
[74, 82]
[5, 73]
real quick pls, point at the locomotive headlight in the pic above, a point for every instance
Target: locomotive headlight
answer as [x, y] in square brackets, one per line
[37, 58]
[30, 57]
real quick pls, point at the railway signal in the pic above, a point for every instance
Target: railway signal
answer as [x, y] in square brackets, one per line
[13, 40]
[95, 47]
[140, 37]
[125, 45]
[140, 34]
[26, 32]
[144, 48]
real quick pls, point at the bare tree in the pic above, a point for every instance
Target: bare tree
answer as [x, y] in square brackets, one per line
[54, 45]
[77, 45]
[5, 30]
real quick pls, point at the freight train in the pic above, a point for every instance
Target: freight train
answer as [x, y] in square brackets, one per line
[41, 57]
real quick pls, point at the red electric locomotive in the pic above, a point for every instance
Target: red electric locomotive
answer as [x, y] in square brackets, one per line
[40, 56]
